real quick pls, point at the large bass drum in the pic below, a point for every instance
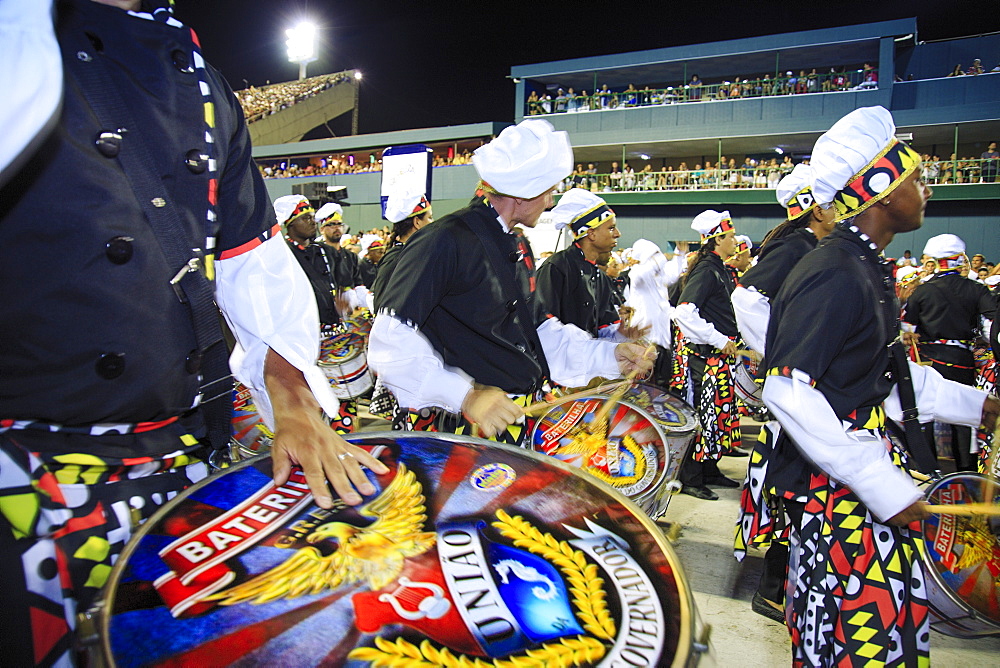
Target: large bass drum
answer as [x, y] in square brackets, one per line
[962, 558]
[468, 552]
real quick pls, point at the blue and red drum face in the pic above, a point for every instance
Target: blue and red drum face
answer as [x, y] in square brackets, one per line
[962, 558]
[467, 549]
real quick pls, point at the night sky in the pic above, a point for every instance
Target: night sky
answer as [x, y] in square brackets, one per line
[445, 63]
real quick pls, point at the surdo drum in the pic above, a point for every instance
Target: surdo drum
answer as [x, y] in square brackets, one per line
[962, 558]
[468, 551]
[342, 358]
[630, 450]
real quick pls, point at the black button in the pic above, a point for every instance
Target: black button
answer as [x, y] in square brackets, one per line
[182, 61]
[196, 161]
[511, 305]
[119, 249]
[111, 365]
[192, 363]
[108, 143]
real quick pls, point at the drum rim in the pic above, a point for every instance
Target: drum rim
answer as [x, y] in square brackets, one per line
[655, 485]
[685, 639]
[926, 558]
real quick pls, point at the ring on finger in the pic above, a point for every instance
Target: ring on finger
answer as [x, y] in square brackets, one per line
[344, 455]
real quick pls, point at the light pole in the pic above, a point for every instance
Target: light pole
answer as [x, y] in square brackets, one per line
[301, 45]
[357, 100]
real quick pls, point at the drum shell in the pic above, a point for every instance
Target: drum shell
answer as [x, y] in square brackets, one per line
[558, 491]
[952, 614]
[349, 374]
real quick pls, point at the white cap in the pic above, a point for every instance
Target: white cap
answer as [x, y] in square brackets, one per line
[644, 249]
[794, 191]
[944, 245]
[581, 210]
[711, 223]
[403, 204]
[859, 161]
[903, 272]
[847, 148]
[329, 210]
[992, 280]
[525, 159]
[743, 243]
[286, 205]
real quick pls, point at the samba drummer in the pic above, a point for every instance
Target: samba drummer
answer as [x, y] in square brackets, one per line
[856, 595]
[297, 218]
[343, 264]
[761, 523]
[705, 316]
[571, 284]
[740, 260]
[458, 329]
[943, 317]
[408, 212]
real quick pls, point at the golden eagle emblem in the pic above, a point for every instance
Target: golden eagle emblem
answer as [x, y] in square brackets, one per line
[373, 554]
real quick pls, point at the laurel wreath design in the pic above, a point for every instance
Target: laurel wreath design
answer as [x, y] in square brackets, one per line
[586, 589]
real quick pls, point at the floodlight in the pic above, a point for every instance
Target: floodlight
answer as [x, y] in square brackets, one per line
[301, 45]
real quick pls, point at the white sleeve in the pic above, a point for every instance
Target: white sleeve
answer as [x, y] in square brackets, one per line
[696, 328]
[610, 333]
[753, 312]
[939, 399]
[269, 304]
[574, 357]
[675, 267]
[32, 82]
[412, 370]
[363, 296]
[852, 458]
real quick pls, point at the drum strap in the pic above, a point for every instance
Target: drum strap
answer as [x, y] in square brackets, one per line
[191, 285]
[916, 442]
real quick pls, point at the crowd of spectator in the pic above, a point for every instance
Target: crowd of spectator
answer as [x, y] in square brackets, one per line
[974, 69]
[260, 102]
[726, 173]
[568, 100]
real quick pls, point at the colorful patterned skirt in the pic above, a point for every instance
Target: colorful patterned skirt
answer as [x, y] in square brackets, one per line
[761, 517]
[714, 399]
[986, 380]
[856, 593]
[65, 518]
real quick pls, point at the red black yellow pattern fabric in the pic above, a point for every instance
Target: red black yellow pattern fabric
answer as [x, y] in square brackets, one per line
[70, 515]
[725, 225]
[876, 180]
[758, 523]
[431, 419]
[716, 408]
[800, 203]
[856, 592]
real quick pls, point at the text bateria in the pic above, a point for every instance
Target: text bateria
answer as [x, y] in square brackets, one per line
[469, 553]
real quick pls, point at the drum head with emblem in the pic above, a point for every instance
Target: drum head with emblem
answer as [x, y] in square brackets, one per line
[964, 551]
[469, 553]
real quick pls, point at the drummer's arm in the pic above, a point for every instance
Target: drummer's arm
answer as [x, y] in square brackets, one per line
[574, 356]
[857, 459]
[271, 310]
[697, 329]
[944, 400]
[753, 312]
[409, 366]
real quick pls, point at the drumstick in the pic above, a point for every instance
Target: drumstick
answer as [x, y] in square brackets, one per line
[602, 415]
[540, 406]
[988, 509]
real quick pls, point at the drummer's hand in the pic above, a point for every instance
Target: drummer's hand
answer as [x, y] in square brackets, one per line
[913, 513]
[729, 349]
[343, 304]
[490, 409]
[633, 332]
[634, 357]
[910, 339]
[303, 438]
[991, 412]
